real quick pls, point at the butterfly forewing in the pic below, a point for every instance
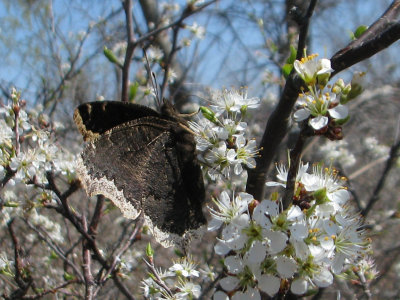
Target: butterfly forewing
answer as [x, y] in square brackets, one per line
[144, 165]
[95, 118]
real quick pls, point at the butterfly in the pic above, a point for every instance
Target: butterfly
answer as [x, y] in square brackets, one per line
[144, 162]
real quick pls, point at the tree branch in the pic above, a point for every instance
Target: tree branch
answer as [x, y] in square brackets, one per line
[49, 291]
[8, 175]
[382, 33]
[22, 275]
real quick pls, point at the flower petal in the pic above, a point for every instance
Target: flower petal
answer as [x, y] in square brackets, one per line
[339, 112]
[318, 122]
[301, 114]
[299, 286]
[269, 284]
[229, 283]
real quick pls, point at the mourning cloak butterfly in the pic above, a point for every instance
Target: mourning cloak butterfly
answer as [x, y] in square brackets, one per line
[146, 162]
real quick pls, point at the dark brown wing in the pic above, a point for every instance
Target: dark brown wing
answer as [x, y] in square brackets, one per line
[148, 165]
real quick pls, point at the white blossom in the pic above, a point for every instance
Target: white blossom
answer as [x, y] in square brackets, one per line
[304, 246]
[309, 68]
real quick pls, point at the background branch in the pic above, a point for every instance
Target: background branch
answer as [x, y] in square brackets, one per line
[390, 163]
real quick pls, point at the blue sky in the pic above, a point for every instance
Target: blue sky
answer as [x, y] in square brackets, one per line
[21, 71]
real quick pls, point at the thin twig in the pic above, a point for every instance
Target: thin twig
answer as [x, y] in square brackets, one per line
[169, 59]
[22, 276]
[86, 266]
[150, 13]
[60, 253]
[123, 249]
[127, 4]
[188, 11]
[390, 163]
[49, 291]
[157, 279]
[305, 22]
[96, 215]
[77, 223]
[366, 167]
[154, 32]
[74, 70]
[205, 290]
[295, 157]
[365, 285]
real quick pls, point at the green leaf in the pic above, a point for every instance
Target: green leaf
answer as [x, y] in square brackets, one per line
[359, 31]
[111, 56]
[53, 255]
[145, 229]
[286, 69]
[293, 54]
[152, 276]
[149, 250]
[133, 88]
[11, 204]
[179, 253]
[68, 276]
[272, 46]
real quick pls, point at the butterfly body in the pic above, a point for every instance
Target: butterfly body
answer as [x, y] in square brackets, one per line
[145, 162]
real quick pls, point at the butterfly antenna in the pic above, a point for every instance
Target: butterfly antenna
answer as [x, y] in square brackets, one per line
[153, 79]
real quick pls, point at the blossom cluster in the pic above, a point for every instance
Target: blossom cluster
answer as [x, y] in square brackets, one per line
[337, 151]
[27, 148]
[323, 105]
[268, 249]
[28, 152]
[221, 135]
[177, 282]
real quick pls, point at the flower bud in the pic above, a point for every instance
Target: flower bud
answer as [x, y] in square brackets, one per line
[355, 91]
[252, 205]
[110, 56]
[323, 79]
[344, 97]
[149, 250]
[16, 109]
[339, 83]
[208, 114]
[357, 85]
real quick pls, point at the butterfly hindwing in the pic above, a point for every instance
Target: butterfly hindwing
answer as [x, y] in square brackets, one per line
[148, 164]
[177, 177]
